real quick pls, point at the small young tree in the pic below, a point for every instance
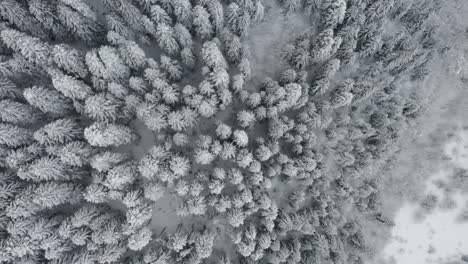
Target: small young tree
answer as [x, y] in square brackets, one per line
[246, 118]
[240, 137]
[235, 217]
[140, 239]
[203, 243]
[180, 139]
[203, 156]
[177, 241]
[153, 191]
[223, 131]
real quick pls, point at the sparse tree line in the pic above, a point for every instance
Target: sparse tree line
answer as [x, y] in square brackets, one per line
[269, 181]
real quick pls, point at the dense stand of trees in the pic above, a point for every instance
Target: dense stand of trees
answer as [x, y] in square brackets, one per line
[264, 183]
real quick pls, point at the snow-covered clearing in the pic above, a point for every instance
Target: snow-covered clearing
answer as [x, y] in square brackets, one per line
[434, 235]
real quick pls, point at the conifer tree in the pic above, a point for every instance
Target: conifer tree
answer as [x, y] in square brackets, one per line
[171, 68]
[104, 135]
[32, 49]
[15, 14]
[232, 44]
[104, 161]
[47, 169]
[216, 10]
[76, 153]
[58, 132]
[69, 86]
[323, 46]
[45, 14]
[69, 59]
[183, 36]
[240, 137]
[132, 54]
[121, 176]
[322, 83]
[17, 113]
[167, 39]
[332, 13]
[159, 15]
[246, 118]
[212, 55]
[107, 64]
[102, 108]
[140, 239]
[79, 19]
[238, 20]
[201, 22]
[47, 100]
[51, 194]
[183, 11]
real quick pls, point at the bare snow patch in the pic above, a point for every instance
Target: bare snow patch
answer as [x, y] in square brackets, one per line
[433, 230]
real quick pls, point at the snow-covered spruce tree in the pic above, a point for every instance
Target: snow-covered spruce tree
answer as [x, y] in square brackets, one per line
[17, 113]
[69, 86]
[102, 107]
[104, 135]
[80, 20]
[201, 22]
[70, 60]
[48, 100]
[106, 63]
[58, 132]
[14, 136]
[31, 48]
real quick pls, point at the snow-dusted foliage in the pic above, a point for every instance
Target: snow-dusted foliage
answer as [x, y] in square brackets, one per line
[134, 131]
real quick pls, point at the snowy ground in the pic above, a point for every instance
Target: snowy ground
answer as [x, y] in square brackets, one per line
[437, 235]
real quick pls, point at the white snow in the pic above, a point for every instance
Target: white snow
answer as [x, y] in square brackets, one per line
[421, 237]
